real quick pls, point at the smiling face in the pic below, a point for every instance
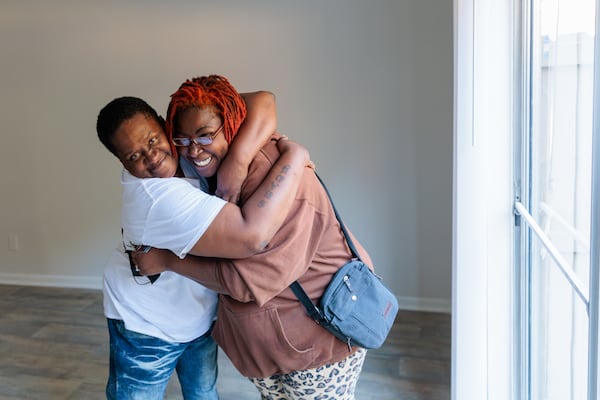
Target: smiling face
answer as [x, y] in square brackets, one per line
[197, 122]
[142, 147]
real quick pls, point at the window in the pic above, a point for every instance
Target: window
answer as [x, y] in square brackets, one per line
[555, 194]
[526, 249]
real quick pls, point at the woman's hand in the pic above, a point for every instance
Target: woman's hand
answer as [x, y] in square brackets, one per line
[230, 176]
[284, 144]
[154, 261]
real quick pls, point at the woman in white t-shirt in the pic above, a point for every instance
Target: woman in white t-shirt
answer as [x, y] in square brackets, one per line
[161, 326]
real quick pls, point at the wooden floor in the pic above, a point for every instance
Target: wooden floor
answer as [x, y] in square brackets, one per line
[54, 345]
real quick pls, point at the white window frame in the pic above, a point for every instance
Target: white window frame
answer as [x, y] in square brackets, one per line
[594, 291]
[483, 341]
[487, 361]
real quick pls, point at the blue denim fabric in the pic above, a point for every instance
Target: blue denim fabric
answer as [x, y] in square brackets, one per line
[141, 366]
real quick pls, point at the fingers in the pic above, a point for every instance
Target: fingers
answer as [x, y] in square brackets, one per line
[230, 197]
[136, 261]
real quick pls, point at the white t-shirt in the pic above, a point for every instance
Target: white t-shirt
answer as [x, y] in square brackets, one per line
[166, 213]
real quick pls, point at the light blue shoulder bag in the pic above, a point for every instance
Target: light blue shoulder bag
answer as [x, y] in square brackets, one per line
[356, 307]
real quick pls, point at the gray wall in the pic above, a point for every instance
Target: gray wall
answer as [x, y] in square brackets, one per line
[366, 86]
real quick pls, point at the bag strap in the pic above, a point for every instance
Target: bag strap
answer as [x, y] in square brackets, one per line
[337, 215]
[313, 311]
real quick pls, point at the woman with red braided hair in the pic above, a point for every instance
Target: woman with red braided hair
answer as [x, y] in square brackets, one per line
[261, 325]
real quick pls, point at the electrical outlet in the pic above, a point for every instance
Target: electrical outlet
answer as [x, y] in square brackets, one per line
[13, 242]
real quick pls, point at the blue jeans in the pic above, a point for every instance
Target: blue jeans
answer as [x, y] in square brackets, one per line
[141, 365]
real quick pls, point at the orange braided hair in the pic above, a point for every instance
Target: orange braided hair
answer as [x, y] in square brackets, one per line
[212, 90]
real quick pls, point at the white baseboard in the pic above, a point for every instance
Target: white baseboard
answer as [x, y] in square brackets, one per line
[425, 304]
[95, 282]
[64, 281]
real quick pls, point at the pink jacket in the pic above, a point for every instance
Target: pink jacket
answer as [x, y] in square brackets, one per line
[261, 325]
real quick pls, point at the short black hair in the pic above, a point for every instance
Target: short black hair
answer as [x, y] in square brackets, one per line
[116, 112]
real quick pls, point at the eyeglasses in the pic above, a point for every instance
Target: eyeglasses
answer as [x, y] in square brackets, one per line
[202, 140]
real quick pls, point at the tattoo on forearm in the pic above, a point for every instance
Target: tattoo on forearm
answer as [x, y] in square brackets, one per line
[274, 185]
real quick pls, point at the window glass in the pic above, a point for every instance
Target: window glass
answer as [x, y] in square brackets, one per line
[562, 54]
[559, 333]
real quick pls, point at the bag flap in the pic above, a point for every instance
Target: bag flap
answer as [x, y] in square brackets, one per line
[346, 289]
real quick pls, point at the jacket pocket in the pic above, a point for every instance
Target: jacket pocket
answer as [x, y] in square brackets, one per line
[255, 341]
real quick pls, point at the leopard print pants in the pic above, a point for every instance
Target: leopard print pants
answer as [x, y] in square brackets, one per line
[328, 382]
